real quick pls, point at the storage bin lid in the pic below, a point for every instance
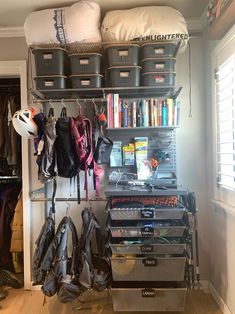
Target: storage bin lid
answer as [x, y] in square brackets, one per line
[122, 45]
[48, 49]
[50, 76]
[83, 54]
[158, 59]
[159, 73]
[85, 75]
[124, 67]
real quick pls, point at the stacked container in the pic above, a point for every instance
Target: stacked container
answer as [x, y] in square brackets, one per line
[123, 65]
[158, 63]
[51, 66]
[148, 254]
[86, 70]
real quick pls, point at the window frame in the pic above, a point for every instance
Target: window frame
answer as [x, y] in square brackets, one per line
[222, 50]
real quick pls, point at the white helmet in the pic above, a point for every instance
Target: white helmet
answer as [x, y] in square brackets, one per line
[23, 123]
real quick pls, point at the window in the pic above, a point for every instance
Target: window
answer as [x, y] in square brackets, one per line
[225, 122]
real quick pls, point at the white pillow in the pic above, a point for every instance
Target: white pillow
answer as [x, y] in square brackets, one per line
[145, 23]
[79, 22]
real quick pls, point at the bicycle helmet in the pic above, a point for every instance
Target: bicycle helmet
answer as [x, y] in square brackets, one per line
[23, 123]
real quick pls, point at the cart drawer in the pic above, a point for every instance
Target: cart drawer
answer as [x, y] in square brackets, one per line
[157, 245]
[147, 213]
[146, 228]
[149, 299]
[148, 268]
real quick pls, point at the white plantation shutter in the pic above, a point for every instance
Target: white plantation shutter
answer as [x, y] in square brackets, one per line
[225, 116]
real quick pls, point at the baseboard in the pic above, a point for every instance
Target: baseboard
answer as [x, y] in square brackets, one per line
[222, 305]
[204, 285]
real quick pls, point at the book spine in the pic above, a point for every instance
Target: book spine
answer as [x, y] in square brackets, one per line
[151, 113]
[169, 102]
[129, 115]
[159, 109]
[124, 115]
[164, 114]
[116, 112]
[146, 124]
[134, 114]
[155, 113]
[111, 102]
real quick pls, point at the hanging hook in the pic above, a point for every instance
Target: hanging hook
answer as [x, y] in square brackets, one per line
[79, 107]
[95, 107]
[40, 105]
[63, 103]
[50, 103]
[67, 206]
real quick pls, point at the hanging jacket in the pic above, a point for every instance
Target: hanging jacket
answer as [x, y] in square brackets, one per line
[17, 228]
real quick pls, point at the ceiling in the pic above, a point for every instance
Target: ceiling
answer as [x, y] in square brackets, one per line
[14, 12]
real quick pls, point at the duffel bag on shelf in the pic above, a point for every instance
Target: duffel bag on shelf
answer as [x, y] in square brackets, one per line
[79, 22]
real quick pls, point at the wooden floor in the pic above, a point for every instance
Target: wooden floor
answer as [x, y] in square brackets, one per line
[31, 302]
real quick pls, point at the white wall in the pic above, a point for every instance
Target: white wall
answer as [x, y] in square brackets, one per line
[191, 139]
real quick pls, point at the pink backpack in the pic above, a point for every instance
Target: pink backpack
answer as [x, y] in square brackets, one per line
[81, 129]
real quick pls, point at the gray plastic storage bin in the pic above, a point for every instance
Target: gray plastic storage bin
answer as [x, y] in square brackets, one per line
[160, 49]
[147, 213]
[141, 229]
[156, 245]
[123, 55]
[50, 61]
[148, 268]
[85, 63]
[124, 76]
[51, 82]
[158, 78]
[86, 81]
[158, 64]
[149, 299]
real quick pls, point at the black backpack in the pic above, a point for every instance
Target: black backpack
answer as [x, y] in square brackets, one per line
[94, 268]
[67, 162]
[43, 241]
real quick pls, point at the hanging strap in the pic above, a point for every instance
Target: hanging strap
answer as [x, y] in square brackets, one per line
[53, 196]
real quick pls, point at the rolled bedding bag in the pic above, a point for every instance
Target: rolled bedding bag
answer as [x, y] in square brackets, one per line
[79, 22]
[152, 23]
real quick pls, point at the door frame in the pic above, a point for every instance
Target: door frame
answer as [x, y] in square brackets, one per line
[19, 68]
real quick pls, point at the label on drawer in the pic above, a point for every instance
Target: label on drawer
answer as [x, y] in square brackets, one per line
[47, 56]
[148, 293]
[159, 66]
[124, 74]
[123, 53]
[147, 231]
[159, 51]
[85, 82]
[146, 248]
[146, 213]
[84, 61]
[49, 83]
[159, 79]
[149, 262]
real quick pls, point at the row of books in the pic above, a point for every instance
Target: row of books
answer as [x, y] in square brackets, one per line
[153, 112]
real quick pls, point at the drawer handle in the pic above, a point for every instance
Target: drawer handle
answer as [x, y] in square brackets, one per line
[146, 248]
[147, 231]
[148, 293]
[150, 262]
[146, 213]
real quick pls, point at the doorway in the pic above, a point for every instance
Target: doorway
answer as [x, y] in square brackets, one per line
[18, 69]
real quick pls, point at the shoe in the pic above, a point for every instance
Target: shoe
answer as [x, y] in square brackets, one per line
[7, 278]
